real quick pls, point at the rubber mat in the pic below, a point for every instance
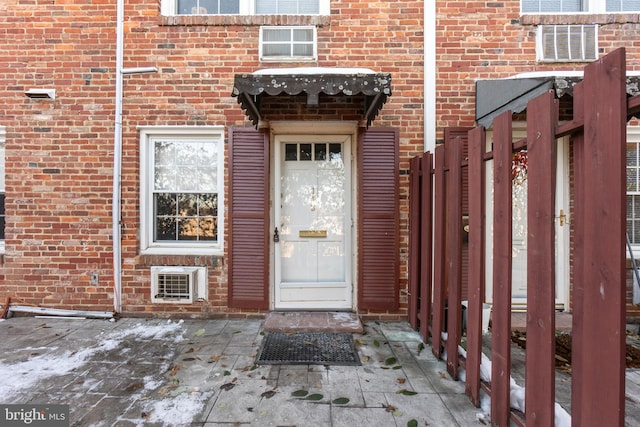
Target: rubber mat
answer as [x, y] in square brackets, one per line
[308, 348]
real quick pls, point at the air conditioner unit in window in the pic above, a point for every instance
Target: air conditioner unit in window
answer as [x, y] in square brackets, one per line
[567, 43]
[178, 284]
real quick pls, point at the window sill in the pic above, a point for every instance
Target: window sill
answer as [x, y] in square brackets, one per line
[582, 18]
[181, 259]
[245, 20]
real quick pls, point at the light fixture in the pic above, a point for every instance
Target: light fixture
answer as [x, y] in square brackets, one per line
[41, 93]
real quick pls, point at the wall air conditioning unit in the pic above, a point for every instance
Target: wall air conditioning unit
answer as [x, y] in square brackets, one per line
[567, 43]
[179, 285]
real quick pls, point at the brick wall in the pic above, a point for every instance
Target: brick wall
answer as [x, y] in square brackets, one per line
[60, 153]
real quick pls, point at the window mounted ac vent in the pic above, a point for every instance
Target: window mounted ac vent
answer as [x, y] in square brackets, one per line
[567, 43]
[178, 284]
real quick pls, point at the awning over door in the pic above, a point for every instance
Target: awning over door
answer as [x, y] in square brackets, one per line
[496, 96]
[249, 88]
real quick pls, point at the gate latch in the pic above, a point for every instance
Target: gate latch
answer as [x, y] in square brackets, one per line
[276, 236]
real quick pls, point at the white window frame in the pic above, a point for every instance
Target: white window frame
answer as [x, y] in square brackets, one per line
[247, 7]
[633, 135]
[149, 134]
[289, 58]
[3, 151]
[589, 7]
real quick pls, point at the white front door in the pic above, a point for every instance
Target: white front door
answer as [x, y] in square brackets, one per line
[312, 215]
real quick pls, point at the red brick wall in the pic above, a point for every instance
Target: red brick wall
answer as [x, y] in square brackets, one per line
[60, 153]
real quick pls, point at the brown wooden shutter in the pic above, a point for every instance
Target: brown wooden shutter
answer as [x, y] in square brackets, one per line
[378, 213]
[449, 135]
[248, 218]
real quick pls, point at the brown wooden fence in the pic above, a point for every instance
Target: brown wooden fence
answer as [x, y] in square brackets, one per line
[598, 133]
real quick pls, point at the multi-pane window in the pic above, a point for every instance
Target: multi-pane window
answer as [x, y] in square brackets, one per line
[181, 189]
[208, 7]
[577, 6]
[245, 7]
[287, 43]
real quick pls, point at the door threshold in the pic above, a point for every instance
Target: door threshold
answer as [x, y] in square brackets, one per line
[312, 321]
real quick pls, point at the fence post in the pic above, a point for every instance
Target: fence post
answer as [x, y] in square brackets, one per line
[426, 244]
[601, 358]
[439, 247]
[454, 256]
[476, 262]
[502, 264]
[541, 190]
[414, 239]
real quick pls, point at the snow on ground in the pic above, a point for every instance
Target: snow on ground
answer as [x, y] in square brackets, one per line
[516, 394]
[22, 375]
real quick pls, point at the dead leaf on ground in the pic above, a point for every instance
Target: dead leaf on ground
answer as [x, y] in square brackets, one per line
[442, 374]
[214, 358]
[268, 394]
[191, 350]
[401, 380]
[227, 386]
[174, 370]
[390, 408]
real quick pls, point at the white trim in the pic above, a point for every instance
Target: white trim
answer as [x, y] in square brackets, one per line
[310, 135]
[3, 141]
[591, 7]
[429, 75]
[147, 135]
[633, 135]
[247, 7]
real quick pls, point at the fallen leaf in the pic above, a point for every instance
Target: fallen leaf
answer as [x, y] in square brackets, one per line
[442, 374]
[376, 343]
[191, 350]
[189, 359]
[390, 361]
[174, 370]
[406, 392]
[340, 401]
[401, 380]
[314, 397]
[397, 367]
[299, 393]
[199, 332]
[364, 359]
[227, 386]
[268, 394]
[390, 408]
[214, 358]
[412, 423]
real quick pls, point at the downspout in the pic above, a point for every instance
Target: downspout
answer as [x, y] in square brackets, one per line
[117, 163]
[429, 75]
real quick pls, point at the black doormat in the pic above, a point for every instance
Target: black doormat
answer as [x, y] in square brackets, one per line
[308, 348]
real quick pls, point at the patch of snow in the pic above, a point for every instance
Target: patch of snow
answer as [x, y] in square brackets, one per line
[179, 410]
[311, 71]
[23, 375]
[516, 393]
